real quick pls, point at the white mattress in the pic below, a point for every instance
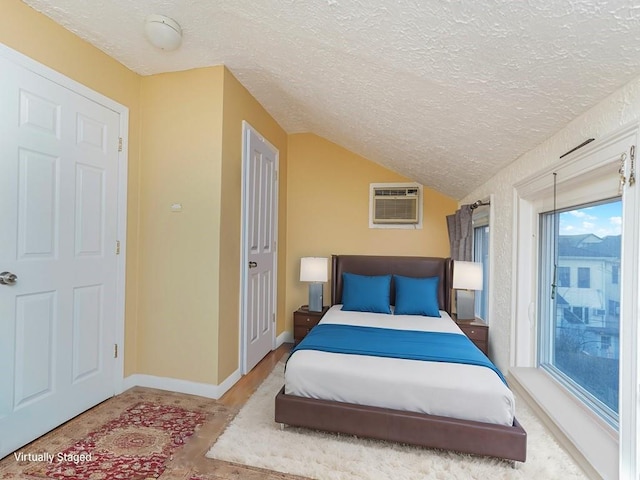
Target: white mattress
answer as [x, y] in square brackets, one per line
[467, 392]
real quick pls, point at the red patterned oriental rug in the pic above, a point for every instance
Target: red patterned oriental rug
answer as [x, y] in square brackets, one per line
[136, 445]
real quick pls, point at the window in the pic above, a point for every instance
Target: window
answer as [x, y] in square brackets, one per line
[583, 179]
[481, 255]
[615, 274]
[584, 277]
[580, 326]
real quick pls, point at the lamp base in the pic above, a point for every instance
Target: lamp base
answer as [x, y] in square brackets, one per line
[315, 297]
[465, 304]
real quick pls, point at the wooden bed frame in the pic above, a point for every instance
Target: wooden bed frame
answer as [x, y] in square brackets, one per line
[397, 425]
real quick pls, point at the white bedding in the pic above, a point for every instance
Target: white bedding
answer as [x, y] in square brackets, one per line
[467, 392]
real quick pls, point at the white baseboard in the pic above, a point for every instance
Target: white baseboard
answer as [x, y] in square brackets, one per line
[192, 388]
[182, 386]
[284, 337]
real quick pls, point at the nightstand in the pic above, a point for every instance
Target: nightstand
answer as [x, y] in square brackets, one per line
[304, 321]
[476, 330]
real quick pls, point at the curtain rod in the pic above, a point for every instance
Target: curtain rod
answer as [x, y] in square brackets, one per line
[589, 140]
[478, 203]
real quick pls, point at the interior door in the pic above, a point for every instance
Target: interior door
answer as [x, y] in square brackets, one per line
[58, 226]
[260, 176]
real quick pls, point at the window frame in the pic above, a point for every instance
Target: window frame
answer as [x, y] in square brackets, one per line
[483, 221]
[549, 226]
[609, 453]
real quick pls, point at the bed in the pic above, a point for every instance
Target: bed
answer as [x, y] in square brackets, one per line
[465, 408]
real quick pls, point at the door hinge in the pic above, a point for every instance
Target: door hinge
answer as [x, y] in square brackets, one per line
[117, 247]
[274, 318]
[276, 178]
[115, 350]
[119, 144]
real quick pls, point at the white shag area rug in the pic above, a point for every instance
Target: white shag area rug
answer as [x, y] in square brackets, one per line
[254, 439]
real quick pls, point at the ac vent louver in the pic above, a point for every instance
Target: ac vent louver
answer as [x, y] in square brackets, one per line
[396, 205]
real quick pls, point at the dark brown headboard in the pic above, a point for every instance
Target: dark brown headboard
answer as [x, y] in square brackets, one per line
[383, 265]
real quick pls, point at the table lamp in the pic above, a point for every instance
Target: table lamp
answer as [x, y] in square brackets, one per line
[467, 278]
[314, 271]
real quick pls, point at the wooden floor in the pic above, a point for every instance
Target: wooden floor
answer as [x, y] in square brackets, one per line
[189, 462]
[192, 456]
[241, 391]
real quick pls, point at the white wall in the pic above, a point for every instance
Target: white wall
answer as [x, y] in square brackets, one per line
[620, 108]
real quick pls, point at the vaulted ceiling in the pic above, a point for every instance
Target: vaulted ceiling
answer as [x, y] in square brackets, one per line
[444, 92]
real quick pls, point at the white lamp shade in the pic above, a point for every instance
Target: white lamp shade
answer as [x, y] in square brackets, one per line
[314, 269]
[163, 32]
[467, 275]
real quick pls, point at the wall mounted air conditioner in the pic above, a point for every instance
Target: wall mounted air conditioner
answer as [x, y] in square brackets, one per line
[396, 205]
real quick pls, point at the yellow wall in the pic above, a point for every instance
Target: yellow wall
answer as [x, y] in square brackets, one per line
[182, 274]
[240, 105]
[181, 132]
[190, 261]
[328, 212]
[34, 35]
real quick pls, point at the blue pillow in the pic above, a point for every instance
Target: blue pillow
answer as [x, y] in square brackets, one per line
[417, 296]
[363, 293]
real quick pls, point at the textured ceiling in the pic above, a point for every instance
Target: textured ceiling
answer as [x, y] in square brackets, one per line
[444, 92]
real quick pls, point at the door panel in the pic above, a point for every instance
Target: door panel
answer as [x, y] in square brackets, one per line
[261, 207]
[58, 226]
[89, 225]
[39, 114]
[37, 205]
[34, 349]
[87, 321]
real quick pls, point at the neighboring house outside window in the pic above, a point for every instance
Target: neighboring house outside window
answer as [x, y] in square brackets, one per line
[564, 277]
[584, 277]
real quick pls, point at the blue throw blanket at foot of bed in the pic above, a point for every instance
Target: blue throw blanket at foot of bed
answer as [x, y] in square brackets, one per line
[386, 342]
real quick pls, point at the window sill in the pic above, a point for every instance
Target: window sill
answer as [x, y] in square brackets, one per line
[587, 438]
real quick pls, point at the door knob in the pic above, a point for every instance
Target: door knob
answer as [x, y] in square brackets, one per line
[253, 264]
[8, 278]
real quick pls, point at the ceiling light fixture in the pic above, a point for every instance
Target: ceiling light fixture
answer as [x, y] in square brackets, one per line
[163, 32]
